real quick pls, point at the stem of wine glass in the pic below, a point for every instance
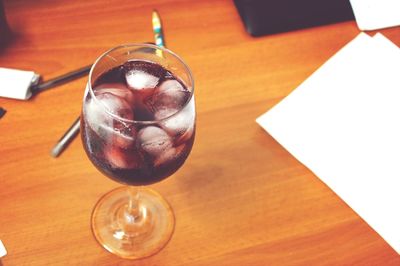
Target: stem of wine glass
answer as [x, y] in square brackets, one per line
[133, 211]
[133, 218]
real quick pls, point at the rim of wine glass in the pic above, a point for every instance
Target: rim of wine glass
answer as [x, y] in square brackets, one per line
[141, 45]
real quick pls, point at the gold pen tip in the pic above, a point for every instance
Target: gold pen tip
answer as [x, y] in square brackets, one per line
[156, 19]
[155, 13]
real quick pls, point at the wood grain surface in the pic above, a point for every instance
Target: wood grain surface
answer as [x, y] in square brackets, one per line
[240, 199]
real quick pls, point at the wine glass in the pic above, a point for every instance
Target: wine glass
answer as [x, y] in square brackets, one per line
[137, 128]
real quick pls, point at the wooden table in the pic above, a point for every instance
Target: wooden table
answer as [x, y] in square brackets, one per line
[240, 199]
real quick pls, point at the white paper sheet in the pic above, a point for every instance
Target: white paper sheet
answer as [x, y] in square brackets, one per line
[3, 250]
[376, 14]
[343, 123]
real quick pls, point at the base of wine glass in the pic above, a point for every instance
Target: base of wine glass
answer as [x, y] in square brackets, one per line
[129, 237]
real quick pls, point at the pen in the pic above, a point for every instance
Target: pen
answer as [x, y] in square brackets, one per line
[157, 29]
[66, 138]
[74, 129]
[61, 79]
[158, 32]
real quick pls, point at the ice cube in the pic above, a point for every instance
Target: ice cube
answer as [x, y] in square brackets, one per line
[139, 80]
[180, 123]
[161, 113]
[117, 89]
[181, 139]
[115, 105]
[123, 135]
[169, 155]
[154, 141]
[110, 129]
[118, 158]
[168, 98]
[95, 115]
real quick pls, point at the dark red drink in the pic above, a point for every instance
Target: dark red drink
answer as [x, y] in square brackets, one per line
[138, 123]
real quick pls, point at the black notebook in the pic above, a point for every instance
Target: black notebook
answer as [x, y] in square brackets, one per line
[262, 17]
